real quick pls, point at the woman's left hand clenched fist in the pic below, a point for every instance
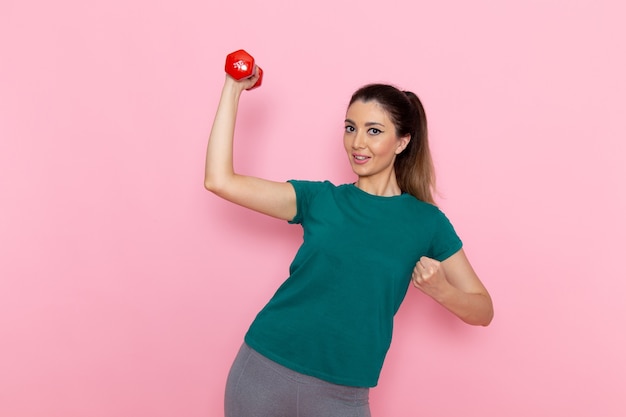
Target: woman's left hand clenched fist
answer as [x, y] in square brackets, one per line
[429, 277]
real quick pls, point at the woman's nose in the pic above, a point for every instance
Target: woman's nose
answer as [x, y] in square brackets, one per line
[359, 141]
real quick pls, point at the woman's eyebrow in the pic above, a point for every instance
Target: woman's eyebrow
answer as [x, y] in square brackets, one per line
[366, 124]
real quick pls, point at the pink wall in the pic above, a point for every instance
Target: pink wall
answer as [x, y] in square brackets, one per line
[125, 288]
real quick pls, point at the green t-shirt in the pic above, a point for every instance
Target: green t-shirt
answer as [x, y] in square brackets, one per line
[333, 317]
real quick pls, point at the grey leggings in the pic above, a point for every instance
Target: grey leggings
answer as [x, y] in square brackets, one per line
[259, 387]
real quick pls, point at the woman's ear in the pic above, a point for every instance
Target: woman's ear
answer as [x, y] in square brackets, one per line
[404, 142]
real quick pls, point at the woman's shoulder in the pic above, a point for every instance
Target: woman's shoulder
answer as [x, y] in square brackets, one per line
[426, 209]
[311, 185]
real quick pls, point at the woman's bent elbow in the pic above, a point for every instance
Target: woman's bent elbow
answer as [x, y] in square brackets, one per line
[212, 185]
[486, 318]
[482, 316]
[487, 321]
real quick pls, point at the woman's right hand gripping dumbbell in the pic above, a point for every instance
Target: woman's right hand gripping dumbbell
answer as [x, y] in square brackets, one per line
[240, 66]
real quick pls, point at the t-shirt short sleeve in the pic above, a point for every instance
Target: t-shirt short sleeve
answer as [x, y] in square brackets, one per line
[445, 241]
[305, 192]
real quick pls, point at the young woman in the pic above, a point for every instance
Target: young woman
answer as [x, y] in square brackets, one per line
[319, 344]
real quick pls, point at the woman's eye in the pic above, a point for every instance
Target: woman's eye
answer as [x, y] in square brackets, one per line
[350, 129]
[374, 131]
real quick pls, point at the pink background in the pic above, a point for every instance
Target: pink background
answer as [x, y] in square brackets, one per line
[126, 288]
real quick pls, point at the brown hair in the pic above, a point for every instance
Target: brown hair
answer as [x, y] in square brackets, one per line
[415, 172]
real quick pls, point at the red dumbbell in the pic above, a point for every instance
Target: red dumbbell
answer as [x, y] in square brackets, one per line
[240, 65]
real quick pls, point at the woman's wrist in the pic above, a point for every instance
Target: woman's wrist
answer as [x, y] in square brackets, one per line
[231, 86]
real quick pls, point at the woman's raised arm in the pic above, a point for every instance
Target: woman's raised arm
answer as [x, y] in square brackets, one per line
[276, 199]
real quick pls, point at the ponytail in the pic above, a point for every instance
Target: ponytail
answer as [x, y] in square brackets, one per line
[415, 171]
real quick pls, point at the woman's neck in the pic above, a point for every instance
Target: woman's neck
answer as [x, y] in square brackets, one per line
[384, 187]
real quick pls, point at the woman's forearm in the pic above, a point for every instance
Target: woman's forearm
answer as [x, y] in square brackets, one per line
[454, 284]
[219, 155]
[475, 309]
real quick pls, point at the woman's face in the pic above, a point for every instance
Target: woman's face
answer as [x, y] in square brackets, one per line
[370, 139]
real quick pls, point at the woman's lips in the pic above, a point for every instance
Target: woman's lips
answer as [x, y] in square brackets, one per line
[360, 159]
